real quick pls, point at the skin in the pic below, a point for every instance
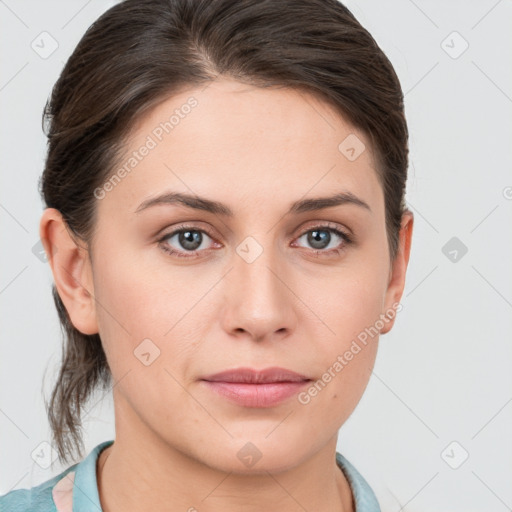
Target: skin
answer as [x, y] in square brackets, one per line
[257, 151]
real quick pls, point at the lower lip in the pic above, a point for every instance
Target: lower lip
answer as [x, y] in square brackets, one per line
[256, 395]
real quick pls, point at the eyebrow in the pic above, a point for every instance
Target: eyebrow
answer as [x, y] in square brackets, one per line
[217, 208]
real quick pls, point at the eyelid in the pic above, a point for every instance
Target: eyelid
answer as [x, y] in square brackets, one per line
[163, 233]
[345, 234]
[324, 224]
[167, 248]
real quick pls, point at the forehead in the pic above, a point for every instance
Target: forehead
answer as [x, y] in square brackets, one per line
[261, 143]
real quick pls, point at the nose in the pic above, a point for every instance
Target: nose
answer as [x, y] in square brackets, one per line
[259, 300]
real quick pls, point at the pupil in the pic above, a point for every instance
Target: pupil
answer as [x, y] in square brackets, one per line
[190, 240]
[317, 241]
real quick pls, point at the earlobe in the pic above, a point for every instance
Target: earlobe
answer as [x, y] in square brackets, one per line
[72, 271]
[398, 271]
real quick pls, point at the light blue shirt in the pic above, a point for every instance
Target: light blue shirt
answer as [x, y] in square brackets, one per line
[78, 491]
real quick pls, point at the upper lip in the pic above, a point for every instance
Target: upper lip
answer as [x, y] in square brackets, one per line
[252, 376]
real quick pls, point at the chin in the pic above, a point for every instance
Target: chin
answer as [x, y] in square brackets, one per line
[257, 454]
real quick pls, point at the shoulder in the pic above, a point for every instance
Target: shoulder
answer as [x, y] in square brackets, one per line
[35, 499]
[58, 490]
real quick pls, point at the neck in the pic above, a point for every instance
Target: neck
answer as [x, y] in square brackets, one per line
[122, 485]
[141, 471]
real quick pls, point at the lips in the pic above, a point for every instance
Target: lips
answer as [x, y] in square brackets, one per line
[256, 388]
[250, 376]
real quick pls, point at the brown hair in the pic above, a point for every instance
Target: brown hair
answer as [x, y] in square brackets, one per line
[141, 52]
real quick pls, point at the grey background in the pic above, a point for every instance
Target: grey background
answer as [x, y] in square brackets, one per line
[442, 385]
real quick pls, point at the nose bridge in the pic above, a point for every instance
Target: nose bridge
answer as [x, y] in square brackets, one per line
[255, 268]
[258, 300]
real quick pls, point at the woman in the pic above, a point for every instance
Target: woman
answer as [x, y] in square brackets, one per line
[227, 232]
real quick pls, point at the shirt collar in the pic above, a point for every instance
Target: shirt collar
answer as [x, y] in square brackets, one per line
[364, 497]
[85, 489]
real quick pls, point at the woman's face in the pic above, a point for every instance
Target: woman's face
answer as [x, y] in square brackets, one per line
[258, 277]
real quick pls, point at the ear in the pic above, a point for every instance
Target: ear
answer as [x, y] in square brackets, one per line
[397, 272]
[72, 271]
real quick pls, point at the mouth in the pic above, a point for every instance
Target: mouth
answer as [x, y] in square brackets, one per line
[256, 388]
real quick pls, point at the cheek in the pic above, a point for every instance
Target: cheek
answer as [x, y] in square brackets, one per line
[146, 335]
[344, 366]
[349, 305]
[134, 303]
[350, 299]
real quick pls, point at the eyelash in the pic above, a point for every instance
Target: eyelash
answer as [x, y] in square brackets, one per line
[347, 240]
